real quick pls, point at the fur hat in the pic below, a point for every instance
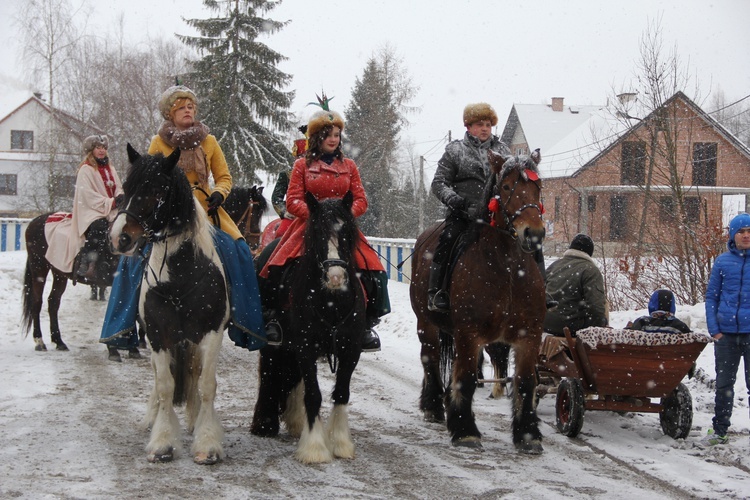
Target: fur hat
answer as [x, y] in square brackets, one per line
[167, 99]
[479, 111]
[662, 300]
[584, 243]
[91, 142]
[322, 118]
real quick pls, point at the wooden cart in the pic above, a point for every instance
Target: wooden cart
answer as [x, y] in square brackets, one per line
[616, 372]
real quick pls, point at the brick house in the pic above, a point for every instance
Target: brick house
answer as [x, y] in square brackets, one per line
[608, 172]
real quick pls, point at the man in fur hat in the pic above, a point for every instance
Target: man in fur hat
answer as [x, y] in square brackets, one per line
[458, 183]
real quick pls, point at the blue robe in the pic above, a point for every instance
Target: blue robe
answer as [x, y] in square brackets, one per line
[245, 325]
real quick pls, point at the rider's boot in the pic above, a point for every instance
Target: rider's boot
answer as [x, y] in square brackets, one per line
[114, 354]
[371, 341]
[437, 299]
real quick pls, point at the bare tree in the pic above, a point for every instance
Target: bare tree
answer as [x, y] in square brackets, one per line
[50, 35]
[677, 238]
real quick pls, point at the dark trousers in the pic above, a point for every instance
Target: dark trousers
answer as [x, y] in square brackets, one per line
[728, 351]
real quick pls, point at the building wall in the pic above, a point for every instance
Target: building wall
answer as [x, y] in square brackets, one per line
[563, 196]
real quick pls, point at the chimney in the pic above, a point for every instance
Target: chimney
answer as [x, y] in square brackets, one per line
[626, 98]
[557, 104]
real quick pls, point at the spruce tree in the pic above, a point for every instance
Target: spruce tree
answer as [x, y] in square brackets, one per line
[375, 116]
[238, 85]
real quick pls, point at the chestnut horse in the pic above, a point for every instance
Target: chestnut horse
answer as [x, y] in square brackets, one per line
[496, 294]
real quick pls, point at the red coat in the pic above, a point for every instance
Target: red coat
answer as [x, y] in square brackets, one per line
[324, 181]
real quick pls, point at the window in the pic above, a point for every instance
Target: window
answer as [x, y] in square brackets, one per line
[22, 139]
[64, 186]
[592, 203]
[520, 151]
[618, 218]
[693, 210]
[633, 163]
[704, 164]
[8, 184]
[666, 208]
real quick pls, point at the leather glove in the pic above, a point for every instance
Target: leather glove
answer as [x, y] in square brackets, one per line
[459, 208]
[118, 201]
[214, 202]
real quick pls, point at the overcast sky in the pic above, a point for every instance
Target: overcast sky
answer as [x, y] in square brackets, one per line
[462, 51]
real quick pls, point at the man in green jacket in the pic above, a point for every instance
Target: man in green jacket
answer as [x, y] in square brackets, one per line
[576, 283]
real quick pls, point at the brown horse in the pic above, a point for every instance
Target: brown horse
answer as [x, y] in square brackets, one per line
[35, 277]
[496, 294]
[246, 207]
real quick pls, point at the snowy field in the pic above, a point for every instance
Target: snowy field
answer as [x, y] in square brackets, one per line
[69, 424]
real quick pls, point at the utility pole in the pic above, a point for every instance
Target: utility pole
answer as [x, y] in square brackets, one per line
[419, 193]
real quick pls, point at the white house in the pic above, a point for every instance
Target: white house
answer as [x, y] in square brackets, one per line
[40, 150]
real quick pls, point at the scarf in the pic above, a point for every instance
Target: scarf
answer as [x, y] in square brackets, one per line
[192, 158]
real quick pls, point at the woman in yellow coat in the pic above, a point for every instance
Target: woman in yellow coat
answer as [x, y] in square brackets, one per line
[200, 159]
[200, 154]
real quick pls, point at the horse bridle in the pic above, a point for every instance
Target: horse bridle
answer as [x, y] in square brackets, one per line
[245, 219]
[146, 224]
[508, 217]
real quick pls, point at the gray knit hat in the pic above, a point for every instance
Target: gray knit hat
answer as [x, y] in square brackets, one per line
[92, 141]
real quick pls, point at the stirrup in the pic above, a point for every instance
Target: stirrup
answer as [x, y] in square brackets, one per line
[439, 302]
[274, 333]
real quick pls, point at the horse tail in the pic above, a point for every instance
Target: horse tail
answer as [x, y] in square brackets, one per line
[447, 353]
[27, 319]
[186, 367]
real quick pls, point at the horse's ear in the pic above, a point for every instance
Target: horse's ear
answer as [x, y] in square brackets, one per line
[172, 160]
[348, 200]
[133, 155]
[536, 156]
[260, 191]
[311, 200]
[496, 161]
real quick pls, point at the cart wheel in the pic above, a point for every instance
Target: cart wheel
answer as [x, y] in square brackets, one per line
[570, 407]
[676, 416]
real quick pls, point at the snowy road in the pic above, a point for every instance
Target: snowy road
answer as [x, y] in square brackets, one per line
[69, 423]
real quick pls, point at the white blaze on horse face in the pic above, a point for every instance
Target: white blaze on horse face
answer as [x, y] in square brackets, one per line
[336, 276]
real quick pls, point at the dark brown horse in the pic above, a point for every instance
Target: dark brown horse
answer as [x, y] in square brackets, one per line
[35, 277]
[496, 294]
[325, 317]
[246, 207]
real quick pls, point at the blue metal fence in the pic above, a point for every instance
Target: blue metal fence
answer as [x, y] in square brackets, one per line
[12, 234]
[396, 256]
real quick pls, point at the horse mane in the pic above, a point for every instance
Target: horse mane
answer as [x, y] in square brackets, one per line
[240, 196]
[178, 212]
[519, 163]
[326, 216]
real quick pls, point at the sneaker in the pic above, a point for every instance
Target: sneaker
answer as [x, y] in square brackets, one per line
[712, 439]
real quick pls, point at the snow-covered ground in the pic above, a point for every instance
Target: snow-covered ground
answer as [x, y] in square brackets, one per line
[69, 428]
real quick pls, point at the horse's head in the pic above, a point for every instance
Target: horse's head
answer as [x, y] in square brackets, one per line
[157, 201]
[330, 238]
[515, 198]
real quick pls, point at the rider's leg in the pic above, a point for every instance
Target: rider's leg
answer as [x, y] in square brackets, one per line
[378, 304]
[437, 293]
